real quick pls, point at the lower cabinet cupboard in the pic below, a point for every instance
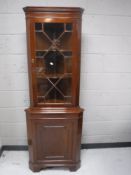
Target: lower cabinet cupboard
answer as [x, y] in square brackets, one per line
[54, 138]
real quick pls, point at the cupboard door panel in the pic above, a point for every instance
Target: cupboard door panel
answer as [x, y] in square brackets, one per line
[53, 138]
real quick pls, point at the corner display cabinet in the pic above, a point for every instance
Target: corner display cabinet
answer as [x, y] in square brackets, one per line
[54, 118]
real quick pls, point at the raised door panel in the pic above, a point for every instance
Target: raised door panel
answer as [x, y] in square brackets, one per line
[53, 139]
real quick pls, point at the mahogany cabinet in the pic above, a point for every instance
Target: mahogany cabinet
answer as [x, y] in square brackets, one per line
[54, 118]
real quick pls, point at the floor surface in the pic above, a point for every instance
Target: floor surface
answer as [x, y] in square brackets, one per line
[116, 161]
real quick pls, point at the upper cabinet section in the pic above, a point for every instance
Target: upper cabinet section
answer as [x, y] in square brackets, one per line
[53, 38]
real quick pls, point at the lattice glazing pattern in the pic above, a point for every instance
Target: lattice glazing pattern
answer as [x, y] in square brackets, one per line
[54, 62]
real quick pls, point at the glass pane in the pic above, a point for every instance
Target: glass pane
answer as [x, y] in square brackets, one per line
[38, 26]
[67, 100]
[65, 86]
[40, 54]
[54, 97]
[42, 42]
[54, 63]
[54, 30]
[42, 85]
[65, 41]
[68, 65]
[69, 27]
[67, 53]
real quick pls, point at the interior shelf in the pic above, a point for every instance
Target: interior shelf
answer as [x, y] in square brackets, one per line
[66, 75]
[55, 101]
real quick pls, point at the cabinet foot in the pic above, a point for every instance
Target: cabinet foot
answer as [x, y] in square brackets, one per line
[74, 168]
[34, 167]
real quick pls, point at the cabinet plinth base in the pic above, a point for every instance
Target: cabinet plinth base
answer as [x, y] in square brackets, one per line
[36, 167]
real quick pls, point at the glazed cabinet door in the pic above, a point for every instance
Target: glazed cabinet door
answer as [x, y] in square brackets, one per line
[55, 62]
[53, 139]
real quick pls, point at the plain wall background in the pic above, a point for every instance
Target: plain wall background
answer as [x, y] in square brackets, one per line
[105, 91]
